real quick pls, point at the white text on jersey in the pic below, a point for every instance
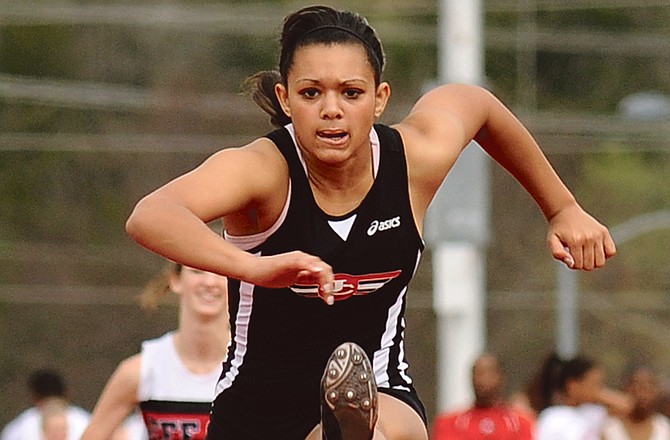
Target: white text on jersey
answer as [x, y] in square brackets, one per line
[377, 225]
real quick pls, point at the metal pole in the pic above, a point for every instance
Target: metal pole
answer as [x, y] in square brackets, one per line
[457, 222]
[567, 335]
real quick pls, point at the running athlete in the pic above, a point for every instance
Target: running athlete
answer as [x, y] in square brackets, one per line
[172, 379]
[323, 220]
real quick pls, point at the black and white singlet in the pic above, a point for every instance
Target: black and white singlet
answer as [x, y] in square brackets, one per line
[282, 338]
[175, 402]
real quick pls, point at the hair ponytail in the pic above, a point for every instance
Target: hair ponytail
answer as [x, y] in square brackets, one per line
[157, 288]
[543, 386]
[261, 88]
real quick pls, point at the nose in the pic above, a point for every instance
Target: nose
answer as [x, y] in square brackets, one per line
[331, 106]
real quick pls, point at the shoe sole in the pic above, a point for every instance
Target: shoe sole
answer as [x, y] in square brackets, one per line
[350, 393]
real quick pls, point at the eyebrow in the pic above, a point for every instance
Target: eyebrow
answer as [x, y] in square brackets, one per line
[345, 82]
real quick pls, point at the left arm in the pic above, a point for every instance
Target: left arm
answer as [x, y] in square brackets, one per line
[446, 119]
[117, 401]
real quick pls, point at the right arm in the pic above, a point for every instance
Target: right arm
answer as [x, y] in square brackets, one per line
[247, 187]
[117, 401]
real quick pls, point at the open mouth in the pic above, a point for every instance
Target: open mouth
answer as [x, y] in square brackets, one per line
[332, 135]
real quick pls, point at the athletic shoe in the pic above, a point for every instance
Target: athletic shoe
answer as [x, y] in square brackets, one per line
[349, 395]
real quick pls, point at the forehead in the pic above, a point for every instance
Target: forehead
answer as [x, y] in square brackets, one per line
[348, 59]
[594, 374]
[485, 364]
[643, 375]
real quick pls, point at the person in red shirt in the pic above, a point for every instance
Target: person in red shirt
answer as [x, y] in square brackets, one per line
[490, 417]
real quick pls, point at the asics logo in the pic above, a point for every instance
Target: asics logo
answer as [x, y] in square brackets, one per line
[377, 225]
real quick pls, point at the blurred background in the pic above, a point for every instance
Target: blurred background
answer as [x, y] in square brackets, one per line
[103, 101]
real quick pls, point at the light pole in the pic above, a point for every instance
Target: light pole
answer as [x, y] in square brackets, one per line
[457, 223]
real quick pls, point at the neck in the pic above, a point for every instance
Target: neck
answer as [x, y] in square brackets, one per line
[639, 415]
[202, 343]
[338, 189]
[488, 402]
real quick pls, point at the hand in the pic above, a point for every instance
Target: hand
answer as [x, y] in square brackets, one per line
[287, 269]
[579, 240]
[618, 403]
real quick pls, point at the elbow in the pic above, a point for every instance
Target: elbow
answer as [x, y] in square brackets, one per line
[132, 227]
[137, 221]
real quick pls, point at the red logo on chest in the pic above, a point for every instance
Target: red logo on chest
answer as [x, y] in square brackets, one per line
[347, 285]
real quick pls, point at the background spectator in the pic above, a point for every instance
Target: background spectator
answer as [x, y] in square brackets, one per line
[490, 417]
[44, 386]
[572, 400]
[643, 422]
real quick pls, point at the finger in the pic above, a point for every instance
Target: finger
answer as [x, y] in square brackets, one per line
[560, 251]
[600, 255]
[588, 256]
[577, 253]
[327, 296]
[569, 260]
[326, 282]
[321, 274]
[610, 246]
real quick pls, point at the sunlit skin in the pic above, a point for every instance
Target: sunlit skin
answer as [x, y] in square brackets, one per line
[332, 99]
[434, 133]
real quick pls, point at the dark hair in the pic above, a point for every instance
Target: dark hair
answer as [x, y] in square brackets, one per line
[307, 26]
[553, 376]
[45, 383]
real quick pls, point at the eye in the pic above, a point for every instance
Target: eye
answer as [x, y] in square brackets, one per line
[309, 93]
[353, 93]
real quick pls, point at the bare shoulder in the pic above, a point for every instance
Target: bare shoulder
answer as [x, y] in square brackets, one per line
[443, 122]
[232, 180]
[435, 132]
[256, 177]
[129, 370]
[451, 112]
[262, 161]
[260, 154]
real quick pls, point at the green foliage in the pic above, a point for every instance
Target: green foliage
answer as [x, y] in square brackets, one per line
[625, 185]
[60, 198]
[39, 51]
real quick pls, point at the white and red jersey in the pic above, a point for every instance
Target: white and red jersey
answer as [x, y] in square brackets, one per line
[175, 402]
[494, 423]
[282, 338]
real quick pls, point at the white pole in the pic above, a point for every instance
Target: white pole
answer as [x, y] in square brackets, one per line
[460, 41]
[457, 222]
